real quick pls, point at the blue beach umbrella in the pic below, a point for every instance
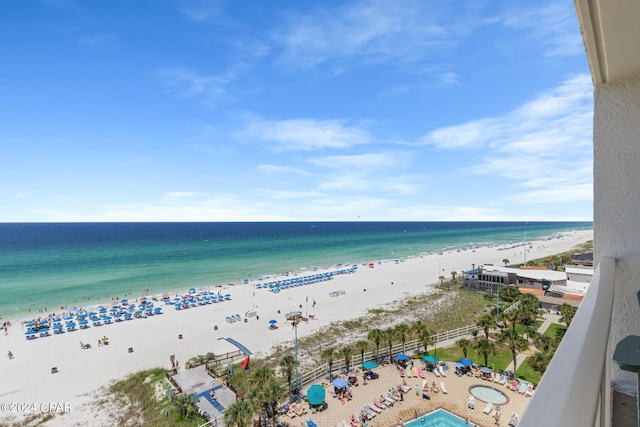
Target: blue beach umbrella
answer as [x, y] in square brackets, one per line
[486, 370]
[30, 325]
[340, 383]
[273, 321]
[124, 301]
[30, 332]
[84, 322]
[316, 394]
[430, 359]
[369, 365]
[466, 362]
[68, 318]
[402, 356]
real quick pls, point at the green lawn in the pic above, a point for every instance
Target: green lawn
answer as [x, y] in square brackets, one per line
[527, 373]
[553, 329]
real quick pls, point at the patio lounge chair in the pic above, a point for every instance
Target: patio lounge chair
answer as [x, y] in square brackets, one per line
[443, 388]
[487, 409]
[374, 407]
[497, 378]
[503, 378]
[441, 369]
[471, 404]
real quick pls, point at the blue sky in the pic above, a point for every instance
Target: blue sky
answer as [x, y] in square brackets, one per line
[171, 110]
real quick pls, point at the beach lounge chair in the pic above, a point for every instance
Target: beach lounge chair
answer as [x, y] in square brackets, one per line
[487, 409]
[374, 407]
[369, 412]
[291, 414]
[408, 372]
[471, 404]
[388, 400]
[497, 378]
[443, 388]
[379, 404]
[523, 387]
[503, 378]
[402, 374]
[441, 369]
[436, 371]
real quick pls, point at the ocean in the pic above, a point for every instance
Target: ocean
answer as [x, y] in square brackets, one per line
[79, 264]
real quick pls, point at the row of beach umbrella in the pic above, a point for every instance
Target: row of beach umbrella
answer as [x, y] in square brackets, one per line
[304, 280]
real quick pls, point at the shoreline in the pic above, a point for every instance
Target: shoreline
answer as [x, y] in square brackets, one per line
[26, 316]
[188, 333]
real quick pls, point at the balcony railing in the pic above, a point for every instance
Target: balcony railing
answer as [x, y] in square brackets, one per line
[576, 388]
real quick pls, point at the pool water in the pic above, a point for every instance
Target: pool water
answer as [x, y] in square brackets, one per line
[438, 418]
[489, 394]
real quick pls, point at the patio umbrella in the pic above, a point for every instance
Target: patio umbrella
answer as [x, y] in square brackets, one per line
[466, 362]
[402, 356]
[458, 365]
[340, 383]
[430, 359]
[316, 394]
[486, 370]
[369, 365]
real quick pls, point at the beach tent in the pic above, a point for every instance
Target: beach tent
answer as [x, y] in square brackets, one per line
[316, 394]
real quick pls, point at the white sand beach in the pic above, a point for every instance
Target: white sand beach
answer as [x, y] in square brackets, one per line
[28, 383]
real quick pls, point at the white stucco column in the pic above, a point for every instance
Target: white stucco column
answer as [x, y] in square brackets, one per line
[616, 138]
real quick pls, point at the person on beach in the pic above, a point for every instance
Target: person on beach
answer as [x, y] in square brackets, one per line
[10, 355]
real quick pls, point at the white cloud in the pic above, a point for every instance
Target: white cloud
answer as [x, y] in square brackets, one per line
[307, 134]
[281, 170]
[191, 84]
[554, 26]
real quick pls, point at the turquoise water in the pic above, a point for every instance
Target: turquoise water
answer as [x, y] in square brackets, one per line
[438, 418]
[49, 265]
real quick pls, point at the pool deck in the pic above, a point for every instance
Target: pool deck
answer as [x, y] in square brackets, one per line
[454, 401]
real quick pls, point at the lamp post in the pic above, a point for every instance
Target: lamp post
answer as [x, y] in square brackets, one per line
[295, 317]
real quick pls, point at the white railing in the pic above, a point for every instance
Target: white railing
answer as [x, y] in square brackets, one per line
[321, 372]
[576, 388]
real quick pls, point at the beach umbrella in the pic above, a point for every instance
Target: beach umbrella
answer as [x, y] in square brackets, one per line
[316, 394]
[113, 310]
[71, 325]
[68, 318]
[486, 370]
[402, 356]
[466, 362]
[273, 321]
[124, 300]
[57, 326]
[30, 325]
[369, 365]
[458, 365]
[107, 317]
[430, 359]
[340, 383]
[30, 332]
[93, 313]
[57, 320]
[84, 322]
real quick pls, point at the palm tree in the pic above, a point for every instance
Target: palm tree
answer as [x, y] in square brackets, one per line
[288, 365]
[347, 353]
[362, 346]
[376, 335]
[442, 279]
[464, 344]
[272, 394]
[540, 361]
[453, 277]
[260, 376]
[485, 347]
[417, 326]
[486, 322]
[328, 355]
[390, 335]
[567, 312]
[402, 330]
[425, 338]
[239, 414]
[474, 334]
[506, 262]
[515, 342]
[182, 401]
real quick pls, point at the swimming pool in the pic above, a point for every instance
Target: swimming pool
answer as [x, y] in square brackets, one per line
[438, 418]
[489, 394]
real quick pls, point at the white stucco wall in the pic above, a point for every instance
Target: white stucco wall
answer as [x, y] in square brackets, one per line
[617, 205]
